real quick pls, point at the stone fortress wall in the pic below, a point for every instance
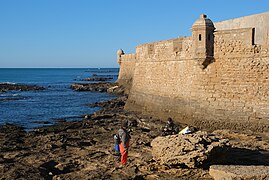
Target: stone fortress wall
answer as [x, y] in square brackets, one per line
[217, 78]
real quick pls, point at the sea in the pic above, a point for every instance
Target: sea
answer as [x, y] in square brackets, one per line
[32, 109]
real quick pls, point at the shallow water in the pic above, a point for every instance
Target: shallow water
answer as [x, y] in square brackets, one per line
[32, 108]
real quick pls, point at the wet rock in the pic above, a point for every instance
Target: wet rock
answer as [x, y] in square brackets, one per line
[97, 79]
[219, 172]
[11, 128]
[96, 87]
[101, 116]
[11, 137]
[19, 87]
[41, 122]
[191, 150]
[111, 104]
[117, 90]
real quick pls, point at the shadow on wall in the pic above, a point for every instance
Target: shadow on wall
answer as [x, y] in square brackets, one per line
[206, 62]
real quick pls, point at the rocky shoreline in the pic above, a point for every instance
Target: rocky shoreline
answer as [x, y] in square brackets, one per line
[84, 149]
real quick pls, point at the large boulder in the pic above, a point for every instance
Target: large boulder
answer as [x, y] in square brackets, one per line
[191, 150]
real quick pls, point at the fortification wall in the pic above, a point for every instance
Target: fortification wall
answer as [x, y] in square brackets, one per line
[127, 67]
[258, 21]
[231, 92]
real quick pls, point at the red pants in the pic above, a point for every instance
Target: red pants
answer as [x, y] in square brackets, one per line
[124, 154]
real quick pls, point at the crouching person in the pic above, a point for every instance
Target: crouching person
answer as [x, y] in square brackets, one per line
[170, 128]
[124, 141]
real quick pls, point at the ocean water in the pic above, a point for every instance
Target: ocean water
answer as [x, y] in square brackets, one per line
[31, 109]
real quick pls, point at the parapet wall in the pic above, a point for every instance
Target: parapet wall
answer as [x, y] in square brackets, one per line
[258, 21]
[230, 91]
[168, 50]
[235, 42]
[238, 43]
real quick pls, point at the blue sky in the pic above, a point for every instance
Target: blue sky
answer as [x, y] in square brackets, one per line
[87, 33]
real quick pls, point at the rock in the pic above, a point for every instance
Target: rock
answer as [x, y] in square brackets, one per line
[114, 103]
[11, 128]
[116, 90]
[97, 79]
[86, 117]
[192, 150]
[102, 116]
[4, 87]
[219, 172]
[41, 122]
[3, 90]
[112, 89]
[98, 87]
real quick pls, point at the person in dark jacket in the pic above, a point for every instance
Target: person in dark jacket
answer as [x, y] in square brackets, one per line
[170, 128]
[124, 141]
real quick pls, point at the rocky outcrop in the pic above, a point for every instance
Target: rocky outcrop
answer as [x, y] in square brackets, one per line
[114, 104]
[100, 87]
[97, 79]
[219, 172]
[97, 87]
[19, 87]
[191, 150]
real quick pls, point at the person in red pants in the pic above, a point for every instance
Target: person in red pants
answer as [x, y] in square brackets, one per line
[124, 141]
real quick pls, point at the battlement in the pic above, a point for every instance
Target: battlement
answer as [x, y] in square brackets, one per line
[128, 57]
[168, 50]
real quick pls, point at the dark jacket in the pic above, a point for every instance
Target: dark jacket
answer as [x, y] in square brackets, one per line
[124, 137]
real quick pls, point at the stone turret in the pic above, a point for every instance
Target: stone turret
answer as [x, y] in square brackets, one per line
[119, 53]
[203, 37]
